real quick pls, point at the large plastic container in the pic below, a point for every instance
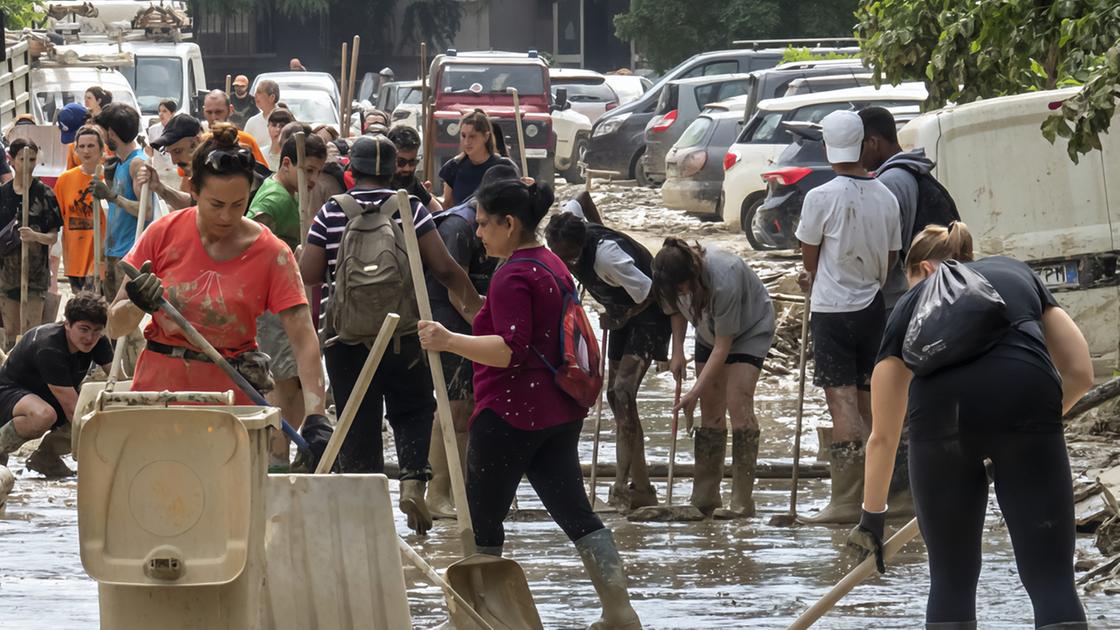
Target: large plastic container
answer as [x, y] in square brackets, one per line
[171, 509]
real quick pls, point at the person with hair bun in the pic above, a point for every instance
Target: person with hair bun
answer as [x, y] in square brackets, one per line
[1005, 405]
[523, 423]
[478, 151]
[617, 271]
[222, 270]
[730, 308]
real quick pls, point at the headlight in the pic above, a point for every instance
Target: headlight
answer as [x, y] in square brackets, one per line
[532, 131]
[453, 129]
[609, 126]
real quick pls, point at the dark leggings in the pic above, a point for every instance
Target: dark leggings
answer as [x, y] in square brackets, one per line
[1022, 436]
[499, 455]
[403, 382]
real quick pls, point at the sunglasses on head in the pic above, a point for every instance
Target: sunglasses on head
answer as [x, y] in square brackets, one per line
[225, 160]
[401, 162]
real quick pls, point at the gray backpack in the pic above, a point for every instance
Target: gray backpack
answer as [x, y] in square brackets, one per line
[372, 277]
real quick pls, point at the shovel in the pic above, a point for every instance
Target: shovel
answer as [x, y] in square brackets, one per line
[669, 512]
[789, 519]
[495, 587]
[211, 353]
[520, 131]
[598, 421]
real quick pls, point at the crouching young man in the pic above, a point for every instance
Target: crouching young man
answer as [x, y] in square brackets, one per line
[39, 382]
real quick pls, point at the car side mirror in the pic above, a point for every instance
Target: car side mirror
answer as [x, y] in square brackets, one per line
[562, 99]
[197, 103]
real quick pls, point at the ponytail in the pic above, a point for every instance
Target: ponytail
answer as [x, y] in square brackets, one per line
[512, 197]
[220, 155]
[680, 263]
[937, 243]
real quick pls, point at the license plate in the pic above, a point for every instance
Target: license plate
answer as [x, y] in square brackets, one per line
[1059, 275]
[534, 154]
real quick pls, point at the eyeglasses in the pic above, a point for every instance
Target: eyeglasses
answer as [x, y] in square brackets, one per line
[401, 162]
[224, 160]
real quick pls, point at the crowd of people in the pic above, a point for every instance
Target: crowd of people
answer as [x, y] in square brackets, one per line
[236, 260]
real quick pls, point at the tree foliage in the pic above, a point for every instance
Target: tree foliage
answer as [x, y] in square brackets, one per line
[966, 51]
[666, 32]
[22, 13]
[433, 21]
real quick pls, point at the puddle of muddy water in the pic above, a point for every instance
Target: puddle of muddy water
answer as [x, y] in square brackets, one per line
[737, 574]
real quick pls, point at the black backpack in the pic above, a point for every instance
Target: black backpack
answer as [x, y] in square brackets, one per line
[935, 204]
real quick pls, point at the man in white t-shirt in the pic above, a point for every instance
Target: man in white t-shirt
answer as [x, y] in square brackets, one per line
[850, 238]
[266, 98]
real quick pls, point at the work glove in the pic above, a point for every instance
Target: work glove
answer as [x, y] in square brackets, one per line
[867, 537]
[317, 431]
[145, 290]
[101, 190]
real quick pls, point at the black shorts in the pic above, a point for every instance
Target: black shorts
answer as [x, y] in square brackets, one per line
[703, 352]
[845, 345]
[10, 395]
[646, 336]
[459, 374]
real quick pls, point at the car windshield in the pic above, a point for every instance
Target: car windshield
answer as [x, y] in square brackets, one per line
[51, 99]
[459, 78]
[695, 133]
[155, 79]
[410, 96]
[312, 107]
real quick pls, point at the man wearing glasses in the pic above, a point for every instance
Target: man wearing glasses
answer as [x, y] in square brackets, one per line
[407, 141]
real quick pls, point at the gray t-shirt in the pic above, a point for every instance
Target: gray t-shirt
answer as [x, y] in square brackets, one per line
[740, 305]
[902, 183]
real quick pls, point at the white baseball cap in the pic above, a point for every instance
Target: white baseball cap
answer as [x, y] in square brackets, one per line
[843, 136]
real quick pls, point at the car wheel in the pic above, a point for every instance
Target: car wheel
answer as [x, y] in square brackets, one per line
[749, 220]
[640, 170]
[574, 174]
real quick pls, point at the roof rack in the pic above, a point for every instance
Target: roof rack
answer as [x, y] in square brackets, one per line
[55, 58]
[161, 23]
[837, 42]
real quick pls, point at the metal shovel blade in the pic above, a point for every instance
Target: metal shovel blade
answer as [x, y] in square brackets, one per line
[497, 589]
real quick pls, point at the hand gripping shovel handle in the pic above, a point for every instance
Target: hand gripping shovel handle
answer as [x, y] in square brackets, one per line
[211, 353]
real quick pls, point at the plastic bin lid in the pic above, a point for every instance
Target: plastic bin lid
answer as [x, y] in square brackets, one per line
[164, 495]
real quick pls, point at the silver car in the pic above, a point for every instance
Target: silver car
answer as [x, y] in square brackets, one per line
[694, 166]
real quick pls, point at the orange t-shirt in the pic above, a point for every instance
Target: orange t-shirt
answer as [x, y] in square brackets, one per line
[71, 157]
[76, 205]
[250, 143]
[221, 299]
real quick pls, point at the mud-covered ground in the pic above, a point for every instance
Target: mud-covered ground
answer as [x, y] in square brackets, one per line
[732, 574]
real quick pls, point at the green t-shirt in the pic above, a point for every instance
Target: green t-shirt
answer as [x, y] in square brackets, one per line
[275, 201]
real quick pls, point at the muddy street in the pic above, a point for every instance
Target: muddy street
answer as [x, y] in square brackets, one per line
[729, 574]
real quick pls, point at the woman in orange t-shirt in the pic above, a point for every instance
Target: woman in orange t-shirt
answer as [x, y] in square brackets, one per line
[77, 206]
[222, 271]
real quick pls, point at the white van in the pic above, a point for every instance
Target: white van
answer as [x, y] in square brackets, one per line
[1023, 197]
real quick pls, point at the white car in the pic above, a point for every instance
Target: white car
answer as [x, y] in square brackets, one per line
[312, 97]
[573, 135]
[762, 139]
[405, 101]
[588, 91]
[628, 87]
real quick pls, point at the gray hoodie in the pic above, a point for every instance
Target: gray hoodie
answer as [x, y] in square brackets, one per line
[905, 188]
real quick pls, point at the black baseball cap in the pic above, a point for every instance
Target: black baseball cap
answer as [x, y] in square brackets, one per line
[373, 155]
[180, 126]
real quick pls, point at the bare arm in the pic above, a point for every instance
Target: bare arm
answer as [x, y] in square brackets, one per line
[459, 288]
[305, 343]
[177, 199]
[42, 238]
[1070, 353]
[810, 256]
[448, 196]
[434, 205]
[488, 350]
[67, 399]
[313, 265]
[890, 386]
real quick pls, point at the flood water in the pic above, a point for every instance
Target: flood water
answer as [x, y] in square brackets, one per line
[730, 574]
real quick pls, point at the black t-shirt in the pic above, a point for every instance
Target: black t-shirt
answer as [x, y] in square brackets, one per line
[44, 217]
[1026, 298]
[464, 176]
[416, 189]
[42, 357]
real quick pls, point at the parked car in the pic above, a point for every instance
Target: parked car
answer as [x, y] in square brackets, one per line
[628, 87]
[312, 97]
[801, 167]
[773, 82]
[618, 138]
[1022, 196]
[680, 103]
[763, 138]
[828, 83]
[406, 103]
[694, 166]
[588, 91]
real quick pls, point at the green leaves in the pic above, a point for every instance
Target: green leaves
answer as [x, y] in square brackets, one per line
[22, 13]
[966, 51]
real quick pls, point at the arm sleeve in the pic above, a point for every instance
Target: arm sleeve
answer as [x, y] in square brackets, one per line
[285, 286]
[421, 218]
[617, 268]
[456, 235]
[894, 228]
[1044, 294]
[262, 204]
[317, 235]
[905, 190]
[52, 216]
[447, 172]
[511, 311]
[811, 228]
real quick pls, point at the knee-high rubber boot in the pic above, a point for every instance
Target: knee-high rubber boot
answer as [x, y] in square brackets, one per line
[47, 458]
[744, 461]
[952, 625]
[846, 464]
[710, 448]
[413, 505]
[439, 500]
[604, 567]
[10, 441]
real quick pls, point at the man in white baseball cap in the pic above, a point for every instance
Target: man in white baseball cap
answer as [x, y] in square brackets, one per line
[850, 238]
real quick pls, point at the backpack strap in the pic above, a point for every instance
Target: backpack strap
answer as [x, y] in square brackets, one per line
[349, 205]
[564, 289]
[563, 285]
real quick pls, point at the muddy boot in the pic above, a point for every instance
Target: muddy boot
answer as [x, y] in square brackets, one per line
[642, 497]
[952, 625]
[710, 449]
[604, 567]
[47, 457]
[413, 506]
[10, 441]
[744, 460]
[618, 496]
[439, 500]
[844, 508]
[1065, 625]
[7, 482]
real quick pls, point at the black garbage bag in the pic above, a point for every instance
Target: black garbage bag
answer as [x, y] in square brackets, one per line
[959, 316]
